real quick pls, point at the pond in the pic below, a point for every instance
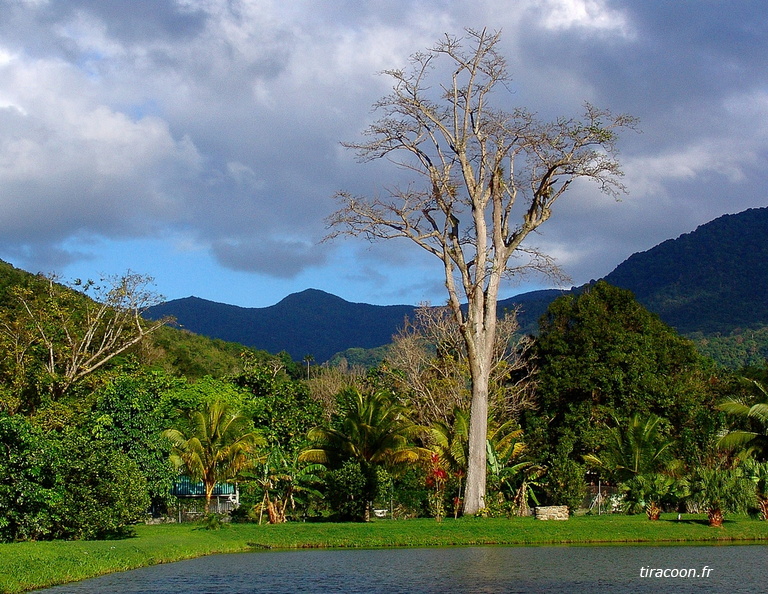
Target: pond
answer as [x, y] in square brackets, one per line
[589, 569]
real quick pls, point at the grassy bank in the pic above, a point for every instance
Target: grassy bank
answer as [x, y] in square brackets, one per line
[26, 566]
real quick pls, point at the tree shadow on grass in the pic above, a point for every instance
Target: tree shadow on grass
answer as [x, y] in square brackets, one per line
[699, 521]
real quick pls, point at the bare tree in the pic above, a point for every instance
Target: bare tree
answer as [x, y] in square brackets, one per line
[484, 179]
[429, 358]
[426, 360]
[329, 381]
[82, 327]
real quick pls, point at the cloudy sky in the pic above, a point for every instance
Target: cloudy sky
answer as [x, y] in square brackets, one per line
[197, 141]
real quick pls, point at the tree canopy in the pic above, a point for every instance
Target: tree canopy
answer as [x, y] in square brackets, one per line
[601, 356]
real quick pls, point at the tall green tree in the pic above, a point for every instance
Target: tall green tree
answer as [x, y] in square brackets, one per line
[280, 406]
[602, 356]
[219, 445]
[130, 416]
[484, 179]
[183, 398]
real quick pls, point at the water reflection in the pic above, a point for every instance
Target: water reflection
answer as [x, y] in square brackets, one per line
[472, 569]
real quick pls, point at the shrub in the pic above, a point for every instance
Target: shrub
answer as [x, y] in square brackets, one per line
[722, 491]
[650, 493]
[54, 486]
[103, 491]
[410, 493]
[350, 489]
[212, 521]
[243, 514]
[27, 485]
[565, 483]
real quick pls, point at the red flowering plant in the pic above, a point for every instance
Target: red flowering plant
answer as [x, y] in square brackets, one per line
[436, 479]
[458, 500]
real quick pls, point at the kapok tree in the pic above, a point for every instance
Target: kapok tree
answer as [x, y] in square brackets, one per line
[482, 180]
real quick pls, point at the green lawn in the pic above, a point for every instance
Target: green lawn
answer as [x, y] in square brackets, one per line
[30, 565]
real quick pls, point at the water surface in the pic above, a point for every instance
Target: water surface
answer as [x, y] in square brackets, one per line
[577, 569]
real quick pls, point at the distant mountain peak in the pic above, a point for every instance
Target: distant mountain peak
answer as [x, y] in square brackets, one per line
[308, 322]
[709, 280]
[310, 297]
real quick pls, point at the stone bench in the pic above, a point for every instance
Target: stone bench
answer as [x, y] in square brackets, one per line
[552, 512]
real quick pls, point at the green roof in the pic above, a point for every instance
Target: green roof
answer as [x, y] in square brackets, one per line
[186, 487]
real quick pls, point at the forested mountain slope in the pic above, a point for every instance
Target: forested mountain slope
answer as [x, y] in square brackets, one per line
[308, 323]
[714, 279]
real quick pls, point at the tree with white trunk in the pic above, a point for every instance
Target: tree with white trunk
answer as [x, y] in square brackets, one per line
[483, 179]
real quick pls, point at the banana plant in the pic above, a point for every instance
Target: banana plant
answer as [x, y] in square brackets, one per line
[284, 480]
[503, 447]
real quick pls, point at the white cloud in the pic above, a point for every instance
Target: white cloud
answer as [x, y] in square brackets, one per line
[70, 164]
[593, 15]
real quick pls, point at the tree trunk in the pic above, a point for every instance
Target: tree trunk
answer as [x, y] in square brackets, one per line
[274, 517]
[716, 517]
[763, 505]
[458, 500]
[474, 490]
[209, 487]
[653, 511]
[479, 333]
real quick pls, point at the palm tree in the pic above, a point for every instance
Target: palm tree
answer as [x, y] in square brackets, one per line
[308, 359]
[450, 442]
[503, 448]
[217, 446]
[527, 475]
[451, 445]
[374, 429]
[752, 443]
[638, 448]
[504, 445]
[720, 491]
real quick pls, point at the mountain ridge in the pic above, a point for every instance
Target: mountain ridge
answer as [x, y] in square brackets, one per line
[711, 280]
[310, 322]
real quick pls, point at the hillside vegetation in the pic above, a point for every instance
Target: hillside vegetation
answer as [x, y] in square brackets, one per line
[712, 280]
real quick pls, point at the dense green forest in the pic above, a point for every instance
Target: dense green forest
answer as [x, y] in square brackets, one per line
[101, 412]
